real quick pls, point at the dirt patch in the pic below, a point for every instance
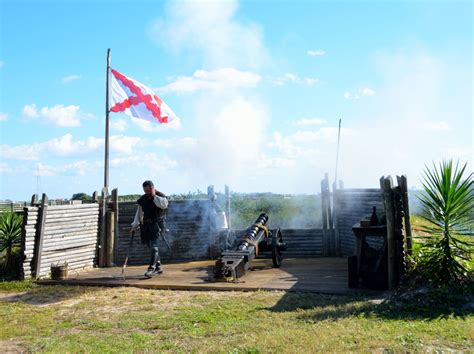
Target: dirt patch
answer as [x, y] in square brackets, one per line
[12, 346]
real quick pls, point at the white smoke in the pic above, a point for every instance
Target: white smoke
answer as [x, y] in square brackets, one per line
[230, 119]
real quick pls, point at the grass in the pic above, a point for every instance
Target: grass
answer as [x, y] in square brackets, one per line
[72, 319]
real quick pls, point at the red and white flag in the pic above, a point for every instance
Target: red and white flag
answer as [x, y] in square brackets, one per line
[135, 99]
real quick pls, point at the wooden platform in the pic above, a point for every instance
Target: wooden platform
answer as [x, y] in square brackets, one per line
[323, 275]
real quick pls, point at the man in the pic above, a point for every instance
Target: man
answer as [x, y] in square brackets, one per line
[150, 213]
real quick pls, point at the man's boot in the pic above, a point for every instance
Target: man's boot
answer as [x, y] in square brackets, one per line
[158, 269]
[153, 271]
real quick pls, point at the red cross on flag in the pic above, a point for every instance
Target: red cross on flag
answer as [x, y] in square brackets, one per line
[135, 99]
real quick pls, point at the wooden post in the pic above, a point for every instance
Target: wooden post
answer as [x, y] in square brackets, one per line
[95, 197]
[103, 228]
[324, 204]
[403, 184]
[116, 220]
[34, 199]
[335, 230]
[329, 207]
[212, 197]
[109, 241]
[391, 247]
[38, 249]
[227, 206]
[324, 218]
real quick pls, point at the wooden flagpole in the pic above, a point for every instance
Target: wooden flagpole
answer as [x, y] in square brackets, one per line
[106, 162]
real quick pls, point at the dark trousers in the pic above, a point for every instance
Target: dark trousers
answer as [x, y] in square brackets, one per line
[150, 233]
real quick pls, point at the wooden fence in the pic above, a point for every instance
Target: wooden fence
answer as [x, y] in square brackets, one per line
[352, 205]
[57, 235]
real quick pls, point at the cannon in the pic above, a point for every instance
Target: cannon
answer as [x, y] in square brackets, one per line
[257, 238]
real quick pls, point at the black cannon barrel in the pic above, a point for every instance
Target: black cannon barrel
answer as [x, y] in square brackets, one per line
[254, 233]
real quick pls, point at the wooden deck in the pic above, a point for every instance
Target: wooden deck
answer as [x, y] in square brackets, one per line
[322, 275]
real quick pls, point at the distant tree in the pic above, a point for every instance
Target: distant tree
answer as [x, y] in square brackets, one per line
[81, 196]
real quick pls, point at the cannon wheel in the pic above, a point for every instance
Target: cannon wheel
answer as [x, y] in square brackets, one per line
[277, 256]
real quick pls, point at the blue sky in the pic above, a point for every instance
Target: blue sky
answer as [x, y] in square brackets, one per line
[258, 85]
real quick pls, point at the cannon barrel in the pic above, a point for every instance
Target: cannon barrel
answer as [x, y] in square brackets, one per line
[235, 263]
[254, 233]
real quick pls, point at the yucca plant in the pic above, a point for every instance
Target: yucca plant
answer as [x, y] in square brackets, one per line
[448, 201]
[10, 237]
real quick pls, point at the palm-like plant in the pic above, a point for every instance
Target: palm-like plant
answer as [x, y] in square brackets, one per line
[10, 236]
[448, 201]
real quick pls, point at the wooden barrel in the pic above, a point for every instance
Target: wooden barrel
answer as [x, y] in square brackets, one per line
[58, 272]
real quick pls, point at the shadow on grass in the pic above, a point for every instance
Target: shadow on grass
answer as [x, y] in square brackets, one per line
[30, 293]
[427, 306]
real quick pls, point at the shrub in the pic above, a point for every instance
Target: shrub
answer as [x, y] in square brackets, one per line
[10, 238]
[447, 201]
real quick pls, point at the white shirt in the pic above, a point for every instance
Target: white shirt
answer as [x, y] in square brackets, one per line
[160, 202]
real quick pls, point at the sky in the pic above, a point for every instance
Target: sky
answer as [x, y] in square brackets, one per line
[258, 86]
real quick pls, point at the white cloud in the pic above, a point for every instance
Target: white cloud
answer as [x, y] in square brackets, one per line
[186, 142]
[30, 111]
[310, 121]
[210, 31]
[437, 126]
[363, 92]
[70, 78]
[119, 125]
[66, 146]
[63, 116]
[3, 116]
[60, 115]
[316, 53]
[150, 127]
[367, 92]
[152, 161]
[123, 144]
[295, 79]
[78, 168]
[218, 79]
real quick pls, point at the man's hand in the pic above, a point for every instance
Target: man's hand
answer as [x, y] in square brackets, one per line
[153, 192]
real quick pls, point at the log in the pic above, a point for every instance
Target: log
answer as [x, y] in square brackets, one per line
[73, 214]
[70, 221]
[79, 225]
[74, 206]
[391, 247]
[39, 244]
[80, 231]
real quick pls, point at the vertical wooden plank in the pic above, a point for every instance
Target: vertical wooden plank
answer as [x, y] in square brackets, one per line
[403, 184]
[95, 197]
[40, 234]
[335, 231]
[324, 218]
[329, 207]
[323, 205]
[115, 209]
[103, 228]
[109, 242]
[34, 199]
[391, 247]
[211, 212]
[227, 206]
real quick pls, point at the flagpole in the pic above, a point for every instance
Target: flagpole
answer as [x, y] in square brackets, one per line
[106, 162]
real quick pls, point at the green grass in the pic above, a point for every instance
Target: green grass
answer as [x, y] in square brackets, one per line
[72, 319]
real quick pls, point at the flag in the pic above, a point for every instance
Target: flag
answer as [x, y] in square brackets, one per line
[135, 99]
